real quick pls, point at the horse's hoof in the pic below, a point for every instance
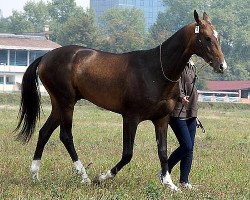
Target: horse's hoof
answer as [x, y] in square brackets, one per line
[174, 188]
[103, 176]
[167, 181]
[35, 177]
[96, 180]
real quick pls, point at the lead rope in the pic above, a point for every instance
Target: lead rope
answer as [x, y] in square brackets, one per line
[198, 122]
[164, 72]
[194, 81]
[199, 125]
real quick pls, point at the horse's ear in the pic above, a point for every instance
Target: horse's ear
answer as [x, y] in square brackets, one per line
[207, 18]
[196, 17]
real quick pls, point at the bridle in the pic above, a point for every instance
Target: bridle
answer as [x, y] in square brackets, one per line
[173, 81]
[200, 45]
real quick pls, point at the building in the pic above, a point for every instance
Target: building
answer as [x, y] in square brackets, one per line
[243, 87]
[17, 52]
[226, 91]
[150, 8]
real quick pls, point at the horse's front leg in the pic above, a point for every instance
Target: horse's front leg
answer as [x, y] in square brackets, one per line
[129, 130]
[161, 126]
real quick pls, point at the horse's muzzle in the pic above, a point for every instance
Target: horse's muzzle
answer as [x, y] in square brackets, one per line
[223, 67]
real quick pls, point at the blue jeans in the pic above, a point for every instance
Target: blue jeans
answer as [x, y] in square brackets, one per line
[185, 133]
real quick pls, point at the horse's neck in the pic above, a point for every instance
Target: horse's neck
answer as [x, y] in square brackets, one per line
[175, 54]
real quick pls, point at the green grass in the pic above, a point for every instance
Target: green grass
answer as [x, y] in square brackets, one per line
[220, 167]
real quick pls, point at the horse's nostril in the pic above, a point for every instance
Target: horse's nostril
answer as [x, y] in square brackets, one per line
[221, 67]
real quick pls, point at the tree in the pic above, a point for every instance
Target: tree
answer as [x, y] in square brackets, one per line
[62, 10]
[19, 23]
[34, 17]
[37, 14]
[123, 30]
[158, 33]
[79, 29]
[4, 25]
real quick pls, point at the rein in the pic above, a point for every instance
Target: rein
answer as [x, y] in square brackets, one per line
[173, 81]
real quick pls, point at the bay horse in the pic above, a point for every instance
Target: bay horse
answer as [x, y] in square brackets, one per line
[139, 85]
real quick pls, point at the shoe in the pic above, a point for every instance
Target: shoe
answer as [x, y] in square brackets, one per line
[186, 186]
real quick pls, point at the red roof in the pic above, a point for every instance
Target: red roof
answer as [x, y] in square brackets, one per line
[11, 41]
[228, 85]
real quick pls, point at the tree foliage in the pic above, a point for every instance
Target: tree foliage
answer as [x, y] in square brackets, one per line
[37, 14]
[123, 30]
[62, 10]
[80, 30]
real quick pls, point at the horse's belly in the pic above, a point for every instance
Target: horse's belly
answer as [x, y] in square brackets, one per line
[105, 98]
[162, 108]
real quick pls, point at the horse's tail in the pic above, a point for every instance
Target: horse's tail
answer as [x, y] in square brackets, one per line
[29, 110]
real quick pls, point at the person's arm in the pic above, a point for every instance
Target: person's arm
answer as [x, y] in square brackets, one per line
[183, 98]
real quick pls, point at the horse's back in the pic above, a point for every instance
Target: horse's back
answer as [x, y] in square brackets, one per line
[91, 74]
[101, 77]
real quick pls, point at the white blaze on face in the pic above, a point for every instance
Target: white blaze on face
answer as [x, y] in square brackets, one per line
[216, 34]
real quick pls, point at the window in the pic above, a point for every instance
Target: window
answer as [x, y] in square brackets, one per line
[142, 3]
[18, 57]
[35, 54]
[10, 80]
[3, 57]
[1, 79]
[150, 14]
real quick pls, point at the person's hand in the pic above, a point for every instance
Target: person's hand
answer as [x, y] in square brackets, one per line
[185, 100]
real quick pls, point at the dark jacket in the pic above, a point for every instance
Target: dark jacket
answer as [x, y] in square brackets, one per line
[186, 84]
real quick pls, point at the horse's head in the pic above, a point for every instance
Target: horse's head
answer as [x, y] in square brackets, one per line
[207, 43]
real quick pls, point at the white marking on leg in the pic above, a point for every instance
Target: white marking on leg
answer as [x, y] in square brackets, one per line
[82, 171]
[35, 165]
[105, 176]
[166, 180]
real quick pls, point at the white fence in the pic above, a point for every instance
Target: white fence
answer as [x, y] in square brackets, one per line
[218, 96]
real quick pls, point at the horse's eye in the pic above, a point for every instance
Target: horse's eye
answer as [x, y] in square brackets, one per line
[208, 39]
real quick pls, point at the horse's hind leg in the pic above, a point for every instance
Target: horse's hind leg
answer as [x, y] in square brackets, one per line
[44, 134]
[67, 139]
[129, 130]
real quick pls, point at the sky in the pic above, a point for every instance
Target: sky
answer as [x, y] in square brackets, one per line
[7, 6]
